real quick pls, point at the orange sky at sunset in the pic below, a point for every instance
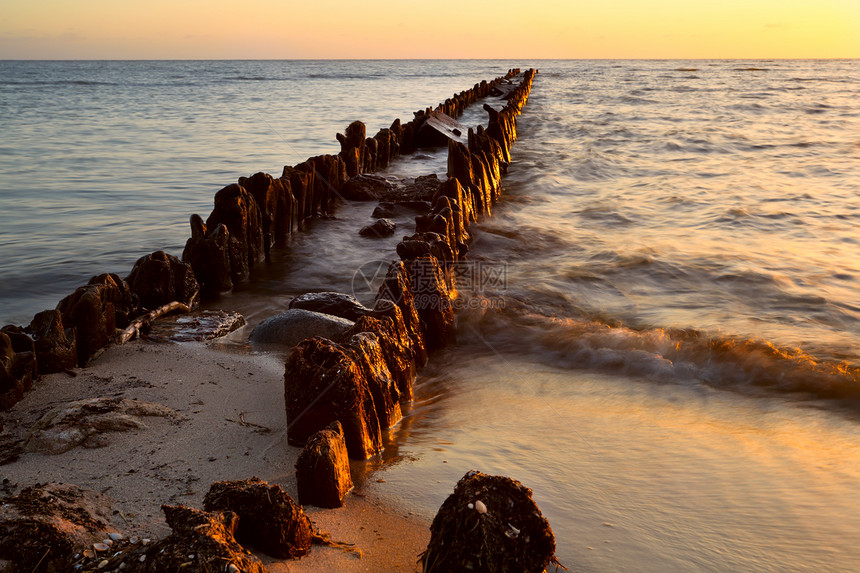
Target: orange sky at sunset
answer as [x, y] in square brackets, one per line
[277, 29]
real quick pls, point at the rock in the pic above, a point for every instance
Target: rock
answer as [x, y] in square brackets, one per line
[460, 168]
[352, 147]
[445, 222]
[287, 223]
[301, 178]
[312, 189]
[328, 182]
[20, 340]
[489, 523]
[208, 253]
[90, 311]
[45, 526]
[323, 383]
[457, 197]
[56, 350]
[480, 142]
[386, 209]
[415, 206]
[275, 201]
[352, 162]
[407, 139]
[500, 128]
[424, 245]
[379, 229]
[396, 131]
[384, 148]
[84, 422]
[391, 332]
[125, 303]
[269, 519]
[367, 353]
[408, 249]
[322, 469]
[395, 347]
[482, 181]
[237, 210]
[397, 288]
[366, 187]
[17, 367]
[445, 219]
[435, 223]
[409, 191]
[159, 278]
[433, 300]
[209, 537]
[294, 325]
[195, 327]
[383, 211]
[370, 151]
[332, 303]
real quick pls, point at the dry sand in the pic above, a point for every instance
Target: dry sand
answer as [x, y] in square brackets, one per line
[229, 424]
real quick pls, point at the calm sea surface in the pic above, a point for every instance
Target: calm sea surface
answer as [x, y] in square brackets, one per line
[667, 347]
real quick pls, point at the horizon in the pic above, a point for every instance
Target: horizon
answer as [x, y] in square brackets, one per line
[421, 59]
[336, 30]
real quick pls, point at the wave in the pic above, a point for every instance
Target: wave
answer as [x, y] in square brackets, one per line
[252, 79]
[660, 354]
[337, 76]
[56, 83]
[604, 214]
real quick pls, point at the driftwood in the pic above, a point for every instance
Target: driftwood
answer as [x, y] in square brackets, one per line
[133, 329]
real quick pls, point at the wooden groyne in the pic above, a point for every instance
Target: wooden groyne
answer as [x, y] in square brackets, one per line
[261, 212]
[361, 378]
[341, 394]
[249, 218]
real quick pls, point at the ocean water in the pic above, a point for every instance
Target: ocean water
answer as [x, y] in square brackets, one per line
[664, 341]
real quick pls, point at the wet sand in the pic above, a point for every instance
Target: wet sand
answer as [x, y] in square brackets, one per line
[229, 424]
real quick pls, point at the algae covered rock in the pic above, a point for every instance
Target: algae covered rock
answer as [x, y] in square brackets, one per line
[334, 303]
[489, 524]
[44, 526]
[269, 519]
[381, 228]
[159, 278]
[201, 542]
[322, 469]
[324, 383]
[56, 350]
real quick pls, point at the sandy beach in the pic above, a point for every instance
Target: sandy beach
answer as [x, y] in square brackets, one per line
[229, 423]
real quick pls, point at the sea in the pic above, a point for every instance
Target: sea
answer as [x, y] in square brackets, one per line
[659, 329]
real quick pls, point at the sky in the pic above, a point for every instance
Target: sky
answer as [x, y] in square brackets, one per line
[499, 29]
